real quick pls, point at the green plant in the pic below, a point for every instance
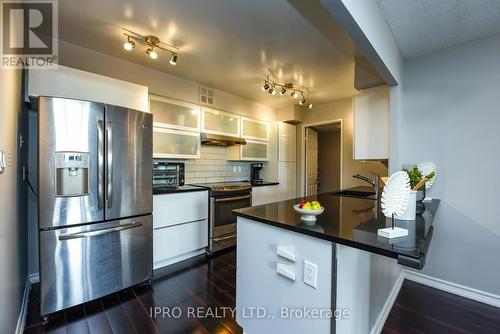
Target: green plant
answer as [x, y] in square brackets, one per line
[416, 175]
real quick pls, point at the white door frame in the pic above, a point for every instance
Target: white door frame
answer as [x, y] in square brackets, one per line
[303, 152]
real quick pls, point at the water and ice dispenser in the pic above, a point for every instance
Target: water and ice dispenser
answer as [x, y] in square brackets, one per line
[72, 174]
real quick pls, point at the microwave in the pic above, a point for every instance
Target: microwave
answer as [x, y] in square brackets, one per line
[168, 174]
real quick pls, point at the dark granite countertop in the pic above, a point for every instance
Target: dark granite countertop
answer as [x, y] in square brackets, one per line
[264, 183]
[353, 222]
[185, 188]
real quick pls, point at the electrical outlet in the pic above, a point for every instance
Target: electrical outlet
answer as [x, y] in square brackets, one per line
[310, 273]
[235, 169]
[239, 169]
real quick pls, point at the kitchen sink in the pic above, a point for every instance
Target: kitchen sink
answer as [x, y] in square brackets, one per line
[353, 193]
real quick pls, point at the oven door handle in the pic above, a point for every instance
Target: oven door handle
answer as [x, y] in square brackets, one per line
[225, 238]
[230, 199]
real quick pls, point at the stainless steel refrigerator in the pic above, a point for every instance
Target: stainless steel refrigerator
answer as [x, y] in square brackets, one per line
[95, 200]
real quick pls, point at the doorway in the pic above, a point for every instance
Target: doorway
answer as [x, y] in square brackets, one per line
[323, 157]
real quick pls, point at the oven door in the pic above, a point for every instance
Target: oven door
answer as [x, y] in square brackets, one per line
[222, 220]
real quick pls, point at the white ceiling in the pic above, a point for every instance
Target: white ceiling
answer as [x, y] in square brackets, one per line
[424, 26]
[229, 45]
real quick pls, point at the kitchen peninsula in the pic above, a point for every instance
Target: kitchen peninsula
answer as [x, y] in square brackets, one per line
[346, 265]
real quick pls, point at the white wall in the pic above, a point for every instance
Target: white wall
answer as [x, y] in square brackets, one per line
[451, 116]
[13, 260]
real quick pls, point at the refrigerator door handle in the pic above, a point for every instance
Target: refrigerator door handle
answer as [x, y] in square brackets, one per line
[100, 164]
[99, 232]
[109, 172]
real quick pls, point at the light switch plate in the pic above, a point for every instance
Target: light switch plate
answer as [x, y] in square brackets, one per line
[310, 273]
[3, 163]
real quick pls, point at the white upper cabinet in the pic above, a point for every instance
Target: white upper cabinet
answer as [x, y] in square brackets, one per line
[220, 122]
[252, 151]
[371, 124]
[175, 144]
[287, 134]
[173, 114]
[254, 129]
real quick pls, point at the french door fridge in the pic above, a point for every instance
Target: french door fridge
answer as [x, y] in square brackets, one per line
[95, 200]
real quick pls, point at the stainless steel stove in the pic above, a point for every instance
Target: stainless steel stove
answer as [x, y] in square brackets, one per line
[224, 198]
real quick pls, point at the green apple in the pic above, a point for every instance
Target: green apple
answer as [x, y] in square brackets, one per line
[316, 206]
[314, 202]
[307, 206]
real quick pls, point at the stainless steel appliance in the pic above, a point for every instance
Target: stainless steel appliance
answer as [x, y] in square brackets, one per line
[168, 174]
[95, 200]
[255, 172]
[224, 198]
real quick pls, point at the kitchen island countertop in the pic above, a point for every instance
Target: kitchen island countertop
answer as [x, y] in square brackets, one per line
[353, 222]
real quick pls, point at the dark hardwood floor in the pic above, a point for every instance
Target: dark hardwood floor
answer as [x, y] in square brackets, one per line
[210, 284]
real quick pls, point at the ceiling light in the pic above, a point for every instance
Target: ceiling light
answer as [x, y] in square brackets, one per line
[265, 86]
[129, 44]
[301, 102]
[152, 53]
[295, 95]
[272, 91]
[173, 59]
[283, 91]
[309, 105]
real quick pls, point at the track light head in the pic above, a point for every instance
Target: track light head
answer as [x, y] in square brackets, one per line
[282, 91]
[150, 52]
[173, 59]
[265, 86]
[301, 102]
[272, 91]
[129, 44]
[295, 95]
[309, 105]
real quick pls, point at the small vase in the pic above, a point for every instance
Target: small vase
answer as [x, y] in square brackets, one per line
[420, 199]
[411, 209]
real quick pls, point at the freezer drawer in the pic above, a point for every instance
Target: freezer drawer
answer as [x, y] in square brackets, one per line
[82, 263]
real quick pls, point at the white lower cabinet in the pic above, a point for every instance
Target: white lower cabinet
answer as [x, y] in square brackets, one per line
[264, 195]
[180, 226]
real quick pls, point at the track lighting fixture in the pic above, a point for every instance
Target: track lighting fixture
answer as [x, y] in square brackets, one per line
[173, 59]
[150, 52]
[270, 86]
[129, 44]
[272, 91]
[152, 43]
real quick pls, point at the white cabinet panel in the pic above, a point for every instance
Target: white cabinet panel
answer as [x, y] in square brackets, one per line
[220, 122]
[180, 226]
[287, 180]
[287, 142]
[371, 124]
[254, 129]
[173, 114]
[177, 208]
[175, 144]
[264, 195]
[176, 243]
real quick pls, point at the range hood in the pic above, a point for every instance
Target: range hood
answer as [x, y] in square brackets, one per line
[221, 140]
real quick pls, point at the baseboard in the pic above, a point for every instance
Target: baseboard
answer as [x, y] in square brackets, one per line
[386, 309]
[34, 278]
[21, 321]
[457, 289]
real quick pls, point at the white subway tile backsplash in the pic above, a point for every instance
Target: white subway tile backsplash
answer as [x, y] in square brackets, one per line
[213, 167]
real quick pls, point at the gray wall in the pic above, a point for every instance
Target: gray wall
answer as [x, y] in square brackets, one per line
[329, 161]
[13, 252]
[451, 115]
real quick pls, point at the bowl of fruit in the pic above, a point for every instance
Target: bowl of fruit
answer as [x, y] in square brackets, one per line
[309, 210]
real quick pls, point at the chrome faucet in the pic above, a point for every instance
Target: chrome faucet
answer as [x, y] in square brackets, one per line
[374, 182]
